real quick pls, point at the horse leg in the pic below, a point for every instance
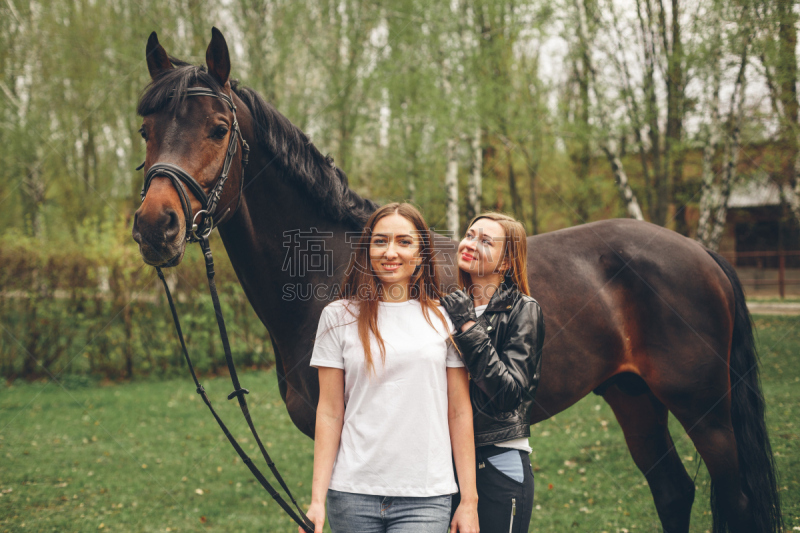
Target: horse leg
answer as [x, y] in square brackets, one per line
[710, 428]
[644, 422]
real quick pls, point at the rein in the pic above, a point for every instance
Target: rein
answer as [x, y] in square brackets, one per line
[181, 180]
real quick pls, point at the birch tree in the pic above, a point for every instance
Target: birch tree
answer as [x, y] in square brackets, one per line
[711, 130]
[475, 188]
[776, 45]
[608, 144]
[651, 82]
[714, 200]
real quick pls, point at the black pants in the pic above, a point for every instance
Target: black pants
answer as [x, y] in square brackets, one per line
[504, 504]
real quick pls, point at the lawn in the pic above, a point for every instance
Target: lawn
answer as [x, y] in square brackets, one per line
[147, 456]
[775, 299]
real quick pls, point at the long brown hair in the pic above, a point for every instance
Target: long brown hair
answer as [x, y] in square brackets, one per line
[515, 249]
[363, 286]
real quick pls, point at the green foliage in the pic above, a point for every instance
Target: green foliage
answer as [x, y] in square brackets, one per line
[382, 88]
[94, 309]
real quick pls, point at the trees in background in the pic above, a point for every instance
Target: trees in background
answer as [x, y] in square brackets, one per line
[718, 181]
[559, 113]
[775, 30]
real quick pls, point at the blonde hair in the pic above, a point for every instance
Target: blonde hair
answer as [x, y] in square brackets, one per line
[515, 250]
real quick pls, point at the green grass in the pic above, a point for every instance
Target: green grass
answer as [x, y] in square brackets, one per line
[147, 456]
[775, 300]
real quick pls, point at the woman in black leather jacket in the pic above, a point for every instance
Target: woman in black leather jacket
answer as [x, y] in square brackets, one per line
[499, 330]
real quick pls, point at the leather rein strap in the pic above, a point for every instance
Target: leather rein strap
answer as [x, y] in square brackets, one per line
[180, 180]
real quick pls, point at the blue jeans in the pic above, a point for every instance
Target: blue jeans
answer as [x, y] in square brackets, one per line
[364, 513]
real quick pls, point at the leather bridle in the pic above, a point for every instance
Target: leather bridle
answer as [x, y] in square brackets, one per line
[182, 180]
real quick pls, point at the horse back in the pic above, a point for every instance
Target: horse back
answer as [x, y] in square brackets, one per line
[626, 298]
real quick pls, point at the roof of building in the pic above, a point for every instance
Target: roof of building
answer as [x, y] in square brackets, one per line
[759, 191]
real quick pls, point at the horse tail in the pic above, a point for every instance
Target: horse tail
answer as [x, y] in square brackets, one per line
[756, 463]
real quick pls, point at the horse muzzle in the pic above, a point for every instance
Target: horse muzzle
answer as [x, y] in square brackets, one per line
[161, 243]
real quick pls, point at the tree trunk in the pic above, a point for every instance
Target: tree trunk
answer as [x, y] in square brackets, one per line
[35, 189]
[794, 203]
[632, 105]
[607, 143]
[87, 175]
[516, 202]
[658, 207]
[709, 190]
[475, 189]
[781, 80]
[786, 78]
[675, 113]
[673, 149]
[451, 186]
[787, 81]
[411, 182]
[533, 172]
[634, 211]
[585, 155]
[731, 150]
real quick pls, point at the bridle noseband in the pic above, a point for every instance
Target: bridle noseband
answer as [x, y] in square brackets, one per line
[181, 179]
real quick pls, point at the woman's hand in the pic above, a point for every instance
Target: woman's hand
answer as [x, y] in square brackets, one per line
[460, 308]
[316, 513]
[466, 518]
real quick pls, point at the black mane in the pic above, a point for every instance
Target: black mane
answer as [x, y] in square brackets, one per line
[291, 149]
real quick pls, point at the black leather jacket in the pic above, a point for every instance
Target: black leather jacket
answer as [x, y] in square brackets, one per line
[503, 354]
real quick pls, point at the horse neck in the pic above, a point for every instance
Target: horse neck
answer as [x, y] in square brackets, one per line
[257, 240]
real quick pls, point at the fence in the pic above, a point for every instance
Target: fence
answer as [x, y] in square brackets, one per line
[761, 273]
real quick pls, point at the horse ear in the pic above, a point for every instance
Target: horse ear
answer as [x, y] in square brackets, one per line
[217, 58]
[157, 58]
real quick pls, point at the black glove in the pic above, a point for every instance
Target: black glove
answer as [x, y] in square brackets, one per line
[460, 308]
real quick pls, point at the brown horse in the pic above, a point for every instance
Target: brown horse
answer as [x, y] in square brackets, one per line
[638, 314]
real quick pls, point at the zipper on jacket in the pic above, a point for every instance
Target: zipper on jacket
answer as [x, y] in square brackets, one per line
[513, 512]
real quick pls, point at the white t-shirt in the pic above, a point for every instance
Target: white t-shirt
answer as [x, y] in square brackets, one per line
[520, 443]
[395, 436]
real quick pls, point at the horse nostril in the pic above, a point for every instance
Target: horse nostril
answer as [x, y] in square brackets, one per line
[171, 225]
[137, 236]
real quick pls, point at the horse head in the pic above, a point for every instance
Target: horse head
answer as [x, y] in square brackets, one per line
[192, 166]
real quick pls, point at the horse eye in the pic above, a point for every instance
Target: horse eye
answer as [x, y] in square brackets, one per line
[143, 133]
[219, 132]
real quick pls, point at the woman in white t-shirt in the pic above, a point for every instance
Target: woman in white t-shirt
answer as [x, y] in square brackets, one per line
[394, 395]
